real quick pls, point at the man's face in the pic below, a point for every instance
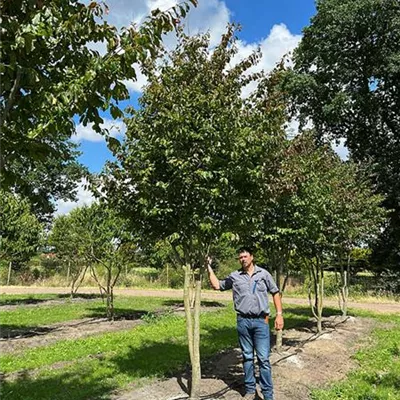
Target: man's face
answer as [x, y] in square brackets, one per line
[245, 259]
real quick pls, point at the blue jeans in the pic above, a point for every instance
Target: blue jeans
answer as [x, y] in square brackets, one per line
[254, 335]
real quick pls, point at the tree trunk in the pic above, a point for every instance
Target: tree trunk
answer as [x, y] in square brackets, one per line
[320, 304]
[346, 276]
[193, 326]
[110, 303]
[68, 270]
[9, 273]
[196, 366]
[167, 275]
[317, 282]
[77, 279]
[279, 333]
[188, 314]
[110, 295]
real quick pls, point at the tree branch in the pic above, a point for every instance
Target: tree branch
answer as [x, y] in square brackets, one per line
[11, 97]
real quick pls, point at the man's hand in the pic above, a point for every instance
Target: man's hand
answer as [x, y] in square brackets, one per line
[279, 323]
[213, 279]
[208, 263]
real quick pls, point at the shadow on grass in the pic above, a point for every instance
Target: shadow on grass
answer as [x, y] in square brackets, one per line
[306, 311]
[15, 331]
[24, 301]
[165, 359]
[204, 303]
[389, 380]
[60, 386]
[20, 332]
[119, 313]
[31, 300]
[85, 296]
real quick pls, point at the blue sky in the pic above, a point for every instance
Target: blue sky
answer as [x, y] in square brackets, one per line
[275, 26]
[258, 19]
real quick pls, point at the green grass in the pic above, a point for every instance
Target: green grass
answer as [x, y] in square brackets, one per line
[94, 367]
[91, 368]
[30, 317]
[378, 374]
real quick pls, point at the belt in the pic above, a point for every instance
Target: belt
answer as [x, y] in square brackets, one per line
[261, 316]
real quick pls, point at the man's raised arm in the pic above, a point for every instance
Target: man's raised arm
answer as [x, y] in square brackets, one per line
[211, 276]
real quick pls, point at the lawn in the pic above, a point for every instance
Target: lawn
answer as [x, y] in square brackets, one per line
[378, 374]
[94, 367]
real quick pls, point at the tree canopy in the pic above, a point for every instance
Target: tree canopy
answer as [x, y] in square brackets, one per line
[347, 81]
[20, 230]
[196, 153]
[49, 74]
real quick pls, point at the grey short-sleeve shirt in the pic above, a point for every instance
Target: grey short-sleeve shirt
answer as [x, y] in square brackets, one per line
[250, 293]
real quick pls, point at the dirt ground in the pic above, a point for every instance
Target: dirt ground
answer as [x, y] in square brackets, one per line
[307, 360]
[45, 335]
[383, 307]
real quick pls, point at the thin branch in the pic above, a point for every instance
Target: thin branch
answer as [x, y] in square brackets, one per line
[11, 97]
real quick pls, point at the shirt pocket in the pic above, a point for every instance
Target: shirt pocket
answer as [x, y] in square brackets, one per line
[241, 288]
[260, 285]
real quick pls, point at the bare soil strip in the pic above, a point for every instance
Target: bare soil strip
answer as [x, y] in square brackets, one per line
[49, 334]
[307, 361]
[383, 307]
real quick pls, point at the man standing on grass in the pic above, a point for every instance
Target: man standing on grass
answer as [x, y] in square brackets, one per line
[251, 285]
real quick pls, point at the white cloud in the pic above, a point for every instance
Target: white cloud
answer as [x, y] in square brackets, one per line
[139, 83]
[292, 128]
[279, 42]
[209, 16]
[341, 149]
[84, 197]
[116, 128]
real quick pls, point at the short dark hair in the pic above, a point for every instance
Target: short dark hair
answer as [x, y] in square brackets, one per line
[245, 249]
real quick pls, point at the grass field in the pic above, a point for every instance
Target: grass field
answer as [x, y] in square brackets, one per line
[378, 374]
[95, 366]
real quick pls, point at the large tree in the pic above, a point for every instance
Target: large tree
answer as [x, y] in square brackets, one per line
[197, 159]
[347, 81]
[326, 209]
[49, 74]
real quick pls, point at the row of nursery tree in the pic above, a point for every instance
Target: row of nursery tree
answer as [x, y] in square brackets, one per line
[202, 163]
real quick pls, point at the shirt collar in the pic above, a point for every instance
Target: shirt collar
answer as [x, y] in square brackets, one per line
[257, 269]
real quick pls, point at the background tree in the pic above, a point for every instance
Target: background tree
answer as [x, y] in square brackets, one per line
[333, 210]
[107, 244]
[359, 219]
[20, 230]
[194, 156]
[49, 74]
[65, 239]
[347, 81]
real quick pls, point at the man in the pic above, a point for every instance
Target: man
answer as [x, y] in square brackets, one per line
[250, 286]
